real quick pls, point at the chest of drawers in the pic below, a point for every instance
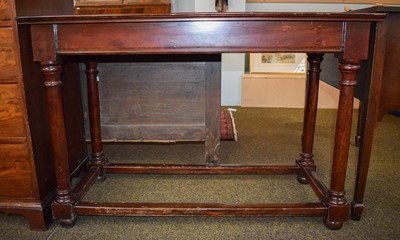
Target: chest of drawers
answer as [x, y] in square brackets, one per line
[27, 179]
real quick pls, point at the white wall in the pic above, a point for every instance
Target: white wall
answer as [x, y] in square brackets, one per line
[302, 7]
[232, 67]
[182, 5]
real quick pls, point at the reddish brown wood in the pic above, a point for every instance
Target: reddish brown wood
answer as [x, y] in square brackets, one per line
[310, 113]
[337, 204]
[84, 185]
[43, 36]
[199, 169]
[51, 72]
[146, 8]
[98, 158]
[381, 93]
[212, 41]
[44, 7]
[5, 10]
[200, 209]
[38, 217]
[390, 97]
[355, 46]
[357, 138]
[206, 33]
[317, 185]
[8, 59]
[27, 179]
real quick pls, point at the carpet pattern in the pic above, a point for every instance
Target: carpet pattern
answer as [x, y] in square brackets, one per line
[227, 126]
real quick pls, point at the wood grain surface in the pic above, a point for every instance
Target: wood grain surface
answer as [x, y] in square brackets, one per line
[11, 112]
[8, 62]
[15, 170]
[5, 12]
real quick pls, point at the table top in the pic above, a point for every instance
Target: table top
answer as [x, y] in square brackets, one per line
[196, 16]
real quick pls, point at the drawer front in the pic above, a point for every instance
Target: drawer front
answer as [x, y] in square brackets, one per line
[11, 111]
[8, 61]
[15, 172]
[5, 11]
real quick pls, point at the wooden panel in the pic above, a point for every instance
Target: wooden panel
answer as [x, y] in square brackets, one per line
[162, 101]
[114, 2]
[8, 62]
[11, 111]
[390, 95]
[212, 36]
[15, 172]
[353, 47]
[5, 11]
[42, 47]
[125, 9]
[44, 7]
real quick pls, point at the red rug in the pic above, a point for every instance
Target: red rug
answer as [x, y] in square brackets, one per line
[227, 127]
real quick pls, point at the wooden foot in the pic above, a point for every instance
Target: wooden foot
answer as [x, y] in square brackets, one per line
[356, 210]
[332, 225]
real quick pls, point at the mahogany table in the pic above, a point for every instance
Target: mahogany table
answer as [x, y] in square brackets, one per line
[58, 38]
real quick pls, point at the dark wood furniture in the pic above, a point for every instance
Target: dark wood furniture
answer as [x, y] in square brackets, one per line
[378, 90]
[27, 179]
[87, 38]
[379, 95]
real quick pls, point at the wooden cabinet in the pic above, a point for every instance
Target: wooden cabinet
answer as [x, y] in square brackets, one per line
[27, 179]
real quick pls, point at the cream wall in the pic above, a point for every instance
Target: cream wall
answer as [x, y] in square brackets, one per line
[302, 7]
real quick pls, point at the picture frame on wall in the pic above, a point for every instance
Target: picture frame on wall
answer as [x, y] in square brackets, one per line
[277, 62]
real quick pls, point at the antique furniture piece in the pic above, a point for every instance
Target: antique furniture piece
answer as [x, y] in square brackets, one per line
[86, 38]
[378, 90]
[379, 96]
[27, 179]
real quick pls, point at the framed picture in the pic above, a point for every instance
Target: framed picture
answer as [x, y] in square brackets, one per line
[277, 62]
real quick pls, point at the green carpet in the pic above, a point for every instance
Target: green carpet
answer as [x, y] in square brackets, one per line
[265, 136]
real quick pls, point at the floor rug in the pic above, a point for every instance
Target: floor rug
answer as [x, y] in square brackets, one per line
[227, 126]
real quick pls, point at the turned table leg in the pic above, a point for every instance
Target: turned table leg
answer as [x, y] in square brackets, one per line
[338, 207]
[98, 158]
[62, 206]
[310, 114]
